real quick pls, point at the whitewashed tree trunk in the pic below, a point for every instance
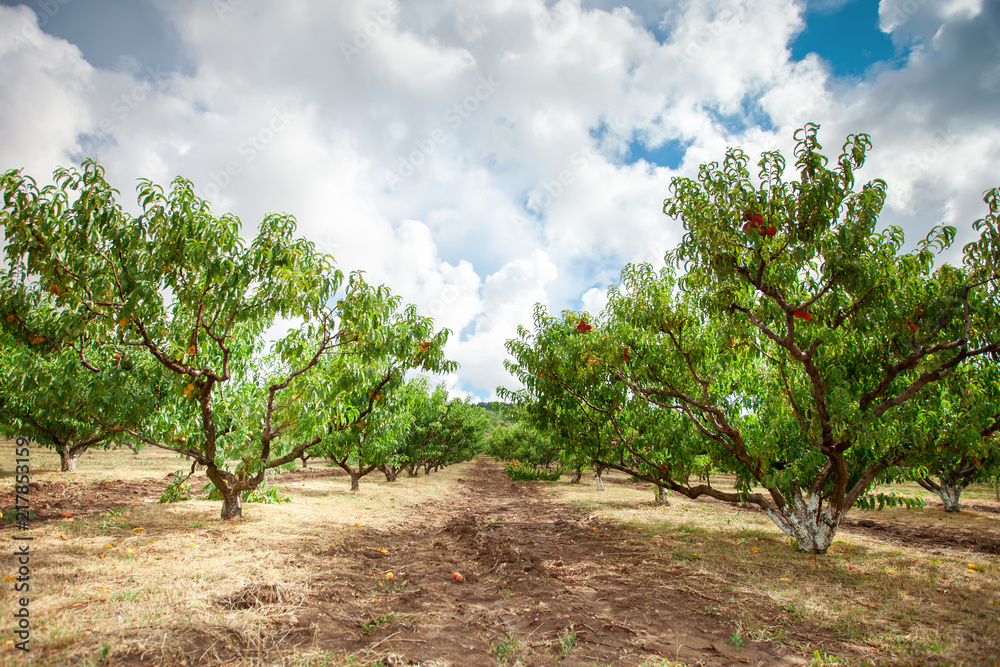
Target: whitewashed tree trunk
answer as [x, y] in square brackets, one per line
[812, 529]
[68, 459]
[232, 505]
[951, 496]
[949, 488]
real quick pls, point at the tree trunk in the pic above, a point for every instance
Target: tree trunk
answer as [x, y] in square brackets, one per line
[598, 475]
[412, 471]
[390, 472]
[661, 496]
[996, 488]
[812, 529]
[232, 504]
[951, 496]
[577, 474]
[355, 482]
[68, 459]
[948, 488]
[305, 458]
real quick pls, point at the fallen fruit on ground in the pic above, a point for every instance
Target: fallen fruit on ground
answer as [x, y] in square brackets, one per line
[457, 577]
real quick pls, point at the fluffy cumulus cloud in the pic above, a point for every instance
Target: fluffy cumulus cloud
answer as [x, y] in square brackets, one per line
[480, 157]
[46, 88]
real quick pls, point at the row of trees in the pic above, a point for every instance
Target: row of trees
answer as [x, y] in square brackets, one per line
[152, 330]
[417, 428]
[789, 341]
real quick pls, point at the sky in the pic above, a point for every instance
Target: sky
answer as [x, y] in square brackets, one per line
[482, 156]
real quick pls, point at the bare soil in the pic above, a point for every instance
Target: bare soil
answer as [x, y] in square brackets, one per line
[535, 574]
[933, 537]
[545, 583]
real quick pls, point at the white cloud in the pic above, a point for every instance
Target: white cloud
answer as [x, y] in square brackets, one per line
[46, 83]
[472, 154]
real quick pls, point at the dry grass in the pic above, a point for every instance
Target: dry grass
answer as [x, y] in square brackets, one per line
[167, 581]
[174, 580]
[887, 600]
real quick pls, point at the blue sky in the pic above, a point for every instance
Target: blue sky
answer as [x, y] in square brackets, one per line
[480, 156]
[847, 37]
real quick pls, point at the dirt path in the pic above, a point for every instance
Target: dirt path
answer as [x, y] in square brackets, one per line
[543, 583]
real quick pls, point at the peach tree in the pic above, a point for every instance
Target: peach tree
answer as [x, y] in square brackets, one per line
[790, 341]
[844, 326]
[183, 288]
[459, 437]
[572, 368]
[949, 432]
[61, 386]
[426, 408]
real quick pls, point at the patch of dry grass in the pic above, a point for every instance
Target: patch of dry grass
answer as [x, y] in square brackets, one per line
[886, 599]
[159, 581]
[167, 582]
